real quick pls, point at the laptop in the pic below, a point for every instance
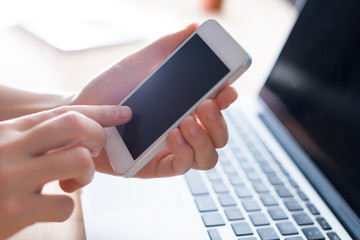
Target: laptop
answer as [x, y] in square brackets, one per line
[290, 169]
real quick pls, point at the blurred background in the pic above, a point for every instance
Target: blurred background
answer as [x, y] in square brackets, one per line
[54, 45]
[60, 45]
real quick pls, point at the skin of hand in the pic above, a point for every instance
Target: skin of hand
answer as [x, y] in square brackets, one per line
[57, 144]
[193, 144]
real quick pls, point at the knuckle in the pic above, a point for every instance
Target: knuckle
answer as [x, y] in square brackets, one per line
[11, 208]
[11, 139]
[102, 110]
[74, 120]
[62, 110]
[82, 158]
[7, 174]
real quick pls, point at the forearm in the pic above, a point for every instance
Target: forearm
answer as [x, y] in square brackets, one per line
[16, 102]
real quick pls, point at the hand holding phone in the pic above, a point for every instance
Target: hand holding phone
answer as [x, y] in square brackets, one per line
[197, 69]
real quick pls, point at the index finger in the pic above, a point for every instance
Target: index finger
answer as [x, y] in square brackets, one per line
[105, 115]
[130, 71]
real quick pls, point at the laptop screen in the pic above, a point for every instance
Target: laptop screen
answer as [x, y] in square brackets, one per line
[314, 89]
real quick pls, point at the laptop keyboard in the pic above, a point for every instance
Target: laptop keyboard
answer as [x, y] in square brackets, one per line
[253, 195]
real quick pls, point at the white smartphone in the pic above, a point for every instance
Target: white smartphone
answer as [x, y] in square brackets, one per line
[196, 70]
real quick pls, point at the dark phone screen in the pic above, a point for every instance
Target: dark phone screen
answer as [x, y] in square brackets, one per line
[169, 93]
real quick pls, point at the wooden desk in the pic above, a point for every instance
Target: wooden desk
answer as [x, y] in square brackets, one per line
[260, 26]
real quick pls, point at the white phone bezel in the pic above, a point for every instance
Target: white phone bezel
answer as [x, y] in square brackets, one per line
[231, 54]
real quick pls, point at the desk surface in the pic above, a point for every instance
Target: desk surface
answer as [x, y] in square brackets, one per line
[260, 26]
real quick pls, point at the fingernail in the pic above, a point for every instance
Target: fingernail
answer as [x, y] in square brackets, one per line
[122, 111]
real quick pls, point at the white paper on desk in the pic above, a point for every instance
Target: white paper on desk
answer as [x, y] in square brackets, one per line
[73, 35]
[79, 25]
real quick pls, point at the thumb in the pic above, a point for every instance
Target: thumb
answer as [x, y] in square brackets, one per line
[153, 54]
[120, 79]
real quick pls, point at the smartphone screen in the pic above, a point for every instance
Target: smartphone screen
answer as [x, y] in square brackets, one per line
[169, 93]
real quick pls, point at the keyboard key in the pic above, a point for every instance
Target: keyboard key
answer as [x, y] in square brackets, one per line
[260, 187]
[302, 219]
[251, 169]
[213, 175]
[267, 169]
[302, 195]
[312, 209]
[323, 223]
[252, 176]
[233, 214]
[259, 219]
[286, 228]
[283, 192]
[253, 147]
[246, 165]
[236, 180]
[293, 205]
[259, 157]
[293, 183]
[214, 234]
[225, 163]
[284, 171]
[277, 214]
[242, 192]
[245, 136]
[275, 180]
[226, 201]
[267, 234]
[220, 187]
[248, 238]
[241, 229]
[333, 236]
[268, 200]
[222, 154]
[250, 205]
[294, 238]
[205, 204]
[240, 157]
[229, 169]
[196, 183]
[313, 233]
[212, 220]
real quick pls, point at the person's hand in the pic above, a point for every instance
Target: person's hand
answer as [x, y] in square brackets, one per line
[193, 143]
[58, 144]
